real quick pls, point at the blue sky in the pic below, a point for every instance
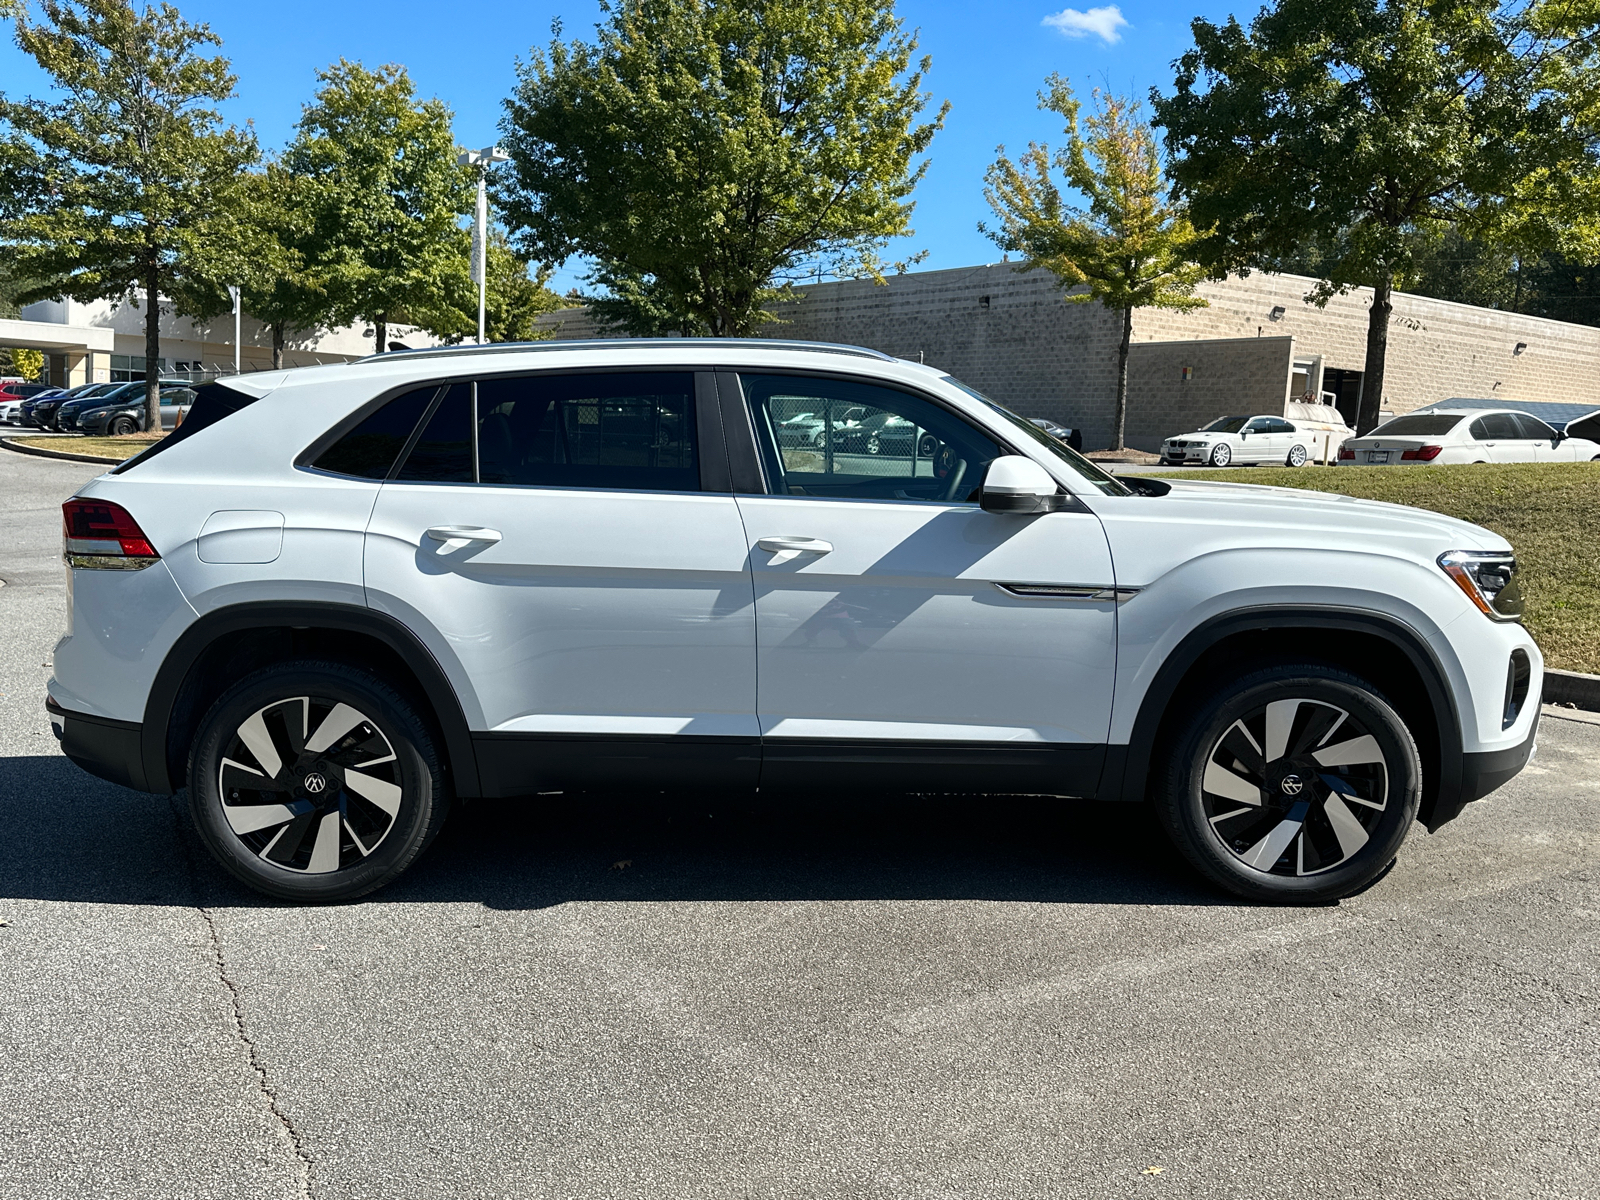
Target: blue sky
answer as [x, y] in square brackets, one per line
[989, 60]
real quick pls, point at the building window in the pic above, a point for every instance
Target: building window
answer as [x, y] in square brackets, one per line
[129, 368]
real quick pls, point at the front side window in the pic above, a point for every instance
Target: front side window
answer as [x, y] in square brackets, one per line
[863, 442]
[1534, 428]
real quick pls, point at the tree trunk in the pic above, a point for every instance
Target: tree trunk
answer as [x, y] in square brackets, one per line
[1377, 352]
[1120, 417]
[382, 330]
[277, 345]
[152, 346]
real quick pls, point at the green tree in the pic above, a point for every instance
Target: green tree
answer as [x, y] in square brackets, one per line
[708, 154]
[1368, 128]
[1131, 245]
[516, 295]
[130, 182]
[284, 291]
[386, 197]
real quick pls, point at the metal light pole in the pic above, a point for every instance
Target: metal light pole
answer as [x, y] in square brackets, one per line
[482, 159]
[233, 290]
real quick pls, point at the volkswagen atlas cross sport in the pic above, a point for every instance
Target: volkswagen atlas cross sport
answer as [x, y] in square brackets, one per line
[337, 599]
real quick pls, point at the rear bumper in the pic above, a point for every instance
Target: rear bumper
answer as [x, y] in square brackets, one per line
[112, 750]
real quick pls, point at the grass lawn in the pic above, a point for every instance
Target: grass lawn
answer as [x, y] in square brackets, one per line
[112, 449]
[1550, 513]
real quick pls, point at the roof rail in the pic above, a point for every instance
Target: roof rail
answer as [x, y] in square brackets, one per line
[632, 343]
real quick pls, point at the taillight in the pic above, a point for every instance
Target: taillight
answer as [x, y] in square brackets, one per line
[1423, 454]
[102, 535]
[1347, 456]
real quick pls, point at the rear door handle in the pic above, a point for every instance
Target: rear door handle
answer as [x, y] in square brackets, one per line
[785, 549]
[455, 537]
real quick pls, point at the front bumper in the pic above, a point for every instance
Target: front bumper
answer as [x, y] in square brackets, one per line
[112, 750]
[1483, 773]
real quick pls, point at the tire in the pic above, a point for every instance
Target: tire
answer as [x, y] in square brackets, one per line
[1277, 830]
[310, 835]
[1221, 454]
[121, 427]
[1297, 457]
[874, 444]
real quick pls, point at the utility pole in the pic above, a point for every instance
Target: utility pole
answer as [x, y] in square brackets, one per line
[482, 160]
[233, 290]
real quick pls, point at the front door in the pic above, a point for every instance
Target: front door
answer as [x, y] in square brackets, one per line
[590, 601]
[906, 639]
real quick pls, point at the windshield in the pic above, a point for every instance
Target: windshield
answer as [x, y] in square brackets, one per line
[1080, 465]
[1226, 425]
[1418, 425]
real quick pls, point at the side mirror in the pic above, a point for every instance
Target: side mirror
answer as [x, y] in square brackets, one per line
[1020, 486]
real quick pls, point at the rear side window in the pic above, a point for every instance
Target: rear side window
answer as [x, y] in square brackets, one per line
[443, 453]
[1497, 427]
[369, 450]
[632, 431]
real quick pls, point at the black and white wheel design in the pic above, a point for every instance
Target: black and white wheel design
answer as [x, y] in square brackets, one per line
[1297, 456]
[874, 444]
[1221, 454]
[1296, 783]
[314, 781]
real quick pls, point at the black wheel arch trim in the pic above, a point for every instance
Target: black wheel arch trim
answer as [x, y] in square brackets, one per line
[1127, 767]
[271, 614]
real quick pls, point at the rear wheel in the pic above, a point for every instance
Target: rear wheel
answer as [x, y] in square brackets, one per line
[314, 781]
[1221, 455]
[1297, 456]
[1296, 783]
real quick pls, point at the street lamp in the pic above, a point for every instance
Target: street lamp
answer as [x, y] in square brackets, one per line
[480, 225]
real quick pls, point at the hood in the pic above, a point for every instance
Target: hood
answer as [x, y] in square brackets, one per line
[1343, 516]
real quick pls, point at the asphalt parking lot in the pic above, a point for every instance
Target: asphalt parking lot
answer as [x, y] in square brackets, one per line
[960, 999]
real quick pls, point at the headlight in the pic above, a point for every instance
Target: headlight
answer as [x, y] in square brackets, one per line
[1489, 579]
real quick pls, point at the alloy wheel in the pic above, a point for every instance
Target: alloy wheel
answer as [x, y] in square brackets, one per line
[1222, 455]
[310, 784]
[1295, 787]
[1297, 456]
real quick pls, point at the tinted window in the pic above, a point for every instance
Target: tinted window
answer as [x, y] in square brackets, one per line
[865, 442]
[1226, 425]
[443, 454]
[1418, 425]
[1498, 427]
[368, 451]
[632, 431]
[1532, 427]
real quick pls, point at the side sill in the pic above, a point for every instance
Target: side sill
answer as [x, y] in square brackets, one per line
[111, 750]
[522, 764]
[900, 767]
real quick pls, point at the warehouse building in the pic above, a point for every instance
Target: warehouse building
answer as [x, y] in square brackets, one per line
[1259, 345]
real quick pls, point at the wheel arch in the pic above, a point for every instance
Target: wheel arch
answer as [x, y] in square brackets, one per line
[1355, 640]
[226, 643]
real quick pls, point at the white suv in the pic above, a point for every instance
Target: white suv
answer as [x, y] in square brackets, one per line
[338, 598]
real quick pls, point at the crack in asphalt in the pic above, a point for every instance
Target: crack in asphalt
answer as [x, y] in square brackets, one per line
[283, 1123]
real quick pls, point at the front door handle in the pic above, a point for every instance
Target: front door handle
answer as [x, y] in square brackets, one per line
[455, 537]
[785, 549]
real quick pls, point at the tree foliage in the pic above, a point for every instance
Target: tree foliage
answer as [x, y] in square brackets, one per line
[284, 290]
[1369, 127]
[516, 295]
[131, 181]
[1130, 246]
[386, 197]
[707, 154]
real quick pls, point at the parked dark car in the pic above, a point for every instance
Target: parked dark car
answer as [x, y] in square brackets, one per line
[41, 411]
[1072, 437]
[125, 412]
[891, 434]
[13, 393]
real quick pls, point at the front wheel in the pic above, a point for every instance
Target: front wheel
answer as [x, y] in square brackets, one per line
[314, 781]
[1297, 456]
[1221, 455]
[121, 427]
[1296, 783]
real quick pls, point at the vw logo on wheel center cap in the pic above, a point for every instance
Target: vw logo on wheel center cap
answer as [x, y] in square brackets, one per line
[315, 783]
[1291, 785]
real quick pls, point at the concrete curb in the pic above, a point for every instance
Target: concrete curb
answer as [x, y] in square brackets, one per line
[41, 452]
[1572, 687]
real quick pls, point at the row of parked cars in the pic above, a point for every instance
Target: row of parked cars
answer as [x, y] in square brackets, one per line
[99, 409]
[1434, 435]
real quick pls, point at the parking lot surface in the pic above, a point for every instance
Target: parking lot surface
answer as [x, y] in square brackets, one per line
[617, 998]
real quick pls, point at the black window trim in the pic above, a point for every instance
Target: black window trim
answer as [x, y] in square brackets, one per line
[703, 391]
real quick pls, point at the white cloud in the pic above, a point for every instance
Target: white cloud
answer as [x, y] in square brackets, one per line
[1104, 23]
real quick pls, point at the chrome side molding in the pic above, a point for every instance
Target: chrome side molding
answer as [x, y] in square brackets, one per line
[1053, 591]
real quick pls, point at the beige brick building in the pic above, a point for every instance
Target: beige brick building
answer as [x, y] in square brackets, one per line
[1010, 333]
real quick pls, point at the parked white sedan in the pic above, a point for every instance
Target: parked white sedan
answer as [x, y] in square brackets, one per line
[1444, 436]
[1246, 439]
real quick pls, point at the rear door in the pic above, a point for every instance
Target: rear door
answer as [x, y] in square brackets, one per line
[1501, 438]
[906, 638]
[560, 542]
